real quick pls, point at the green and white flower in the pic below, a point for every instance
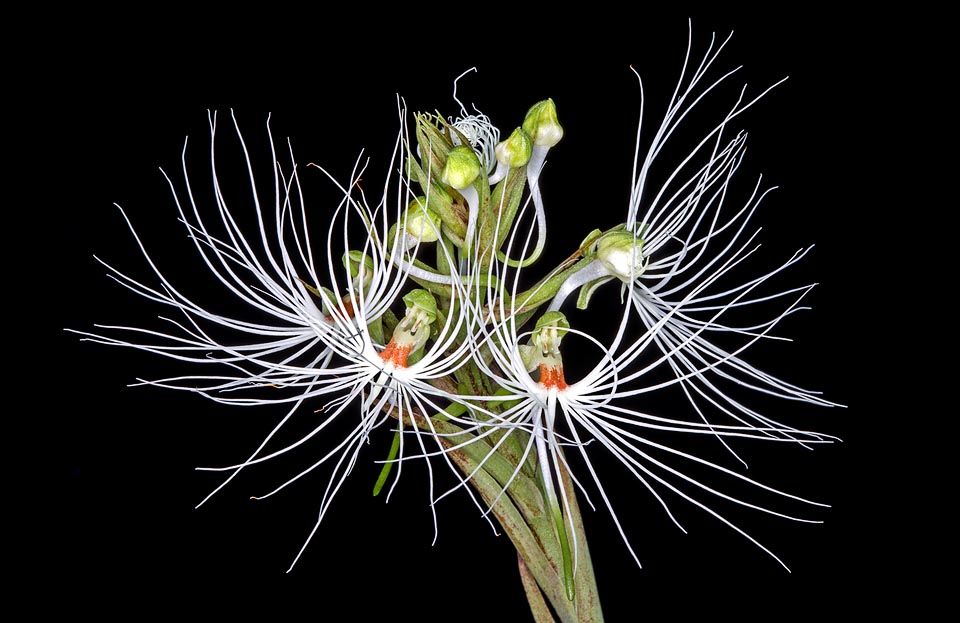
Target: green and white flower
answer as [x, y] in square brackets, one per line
[311, 348]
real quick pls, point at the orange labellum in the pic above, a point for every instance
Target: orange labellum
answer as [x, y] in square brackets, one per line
[396, 354]
[552, 376]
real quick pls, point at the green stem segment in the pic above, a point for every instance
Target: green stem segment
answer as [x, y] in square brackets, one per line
[532, 523]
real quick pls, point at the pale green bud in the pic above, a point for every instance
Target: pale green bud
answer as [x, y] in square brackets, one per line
[622, 254]
[462, 168]
[420, 221]
[542, 125]
[516, 150]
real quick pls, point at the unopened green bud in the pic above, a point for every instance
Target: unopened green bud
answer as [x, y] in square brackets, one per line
[359, 265]
[516, 150]
[462, 168]
[420, 221]
[542, 125]
[622, 254]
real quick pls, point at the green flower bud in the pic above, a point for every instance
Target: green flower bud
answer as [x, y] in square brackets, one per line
[359, 265]
[622, 254]
[420, 221]
[516, 150]
[542, 125]
[462, 168]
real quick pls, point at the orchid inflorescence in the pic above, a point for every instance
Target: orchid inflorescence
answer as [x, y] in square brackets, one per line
[419, 311]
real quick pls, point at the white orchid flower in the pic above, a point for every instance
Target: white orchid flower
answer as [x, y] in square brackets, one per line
[600, 412]
[311, 346]
[679, 250]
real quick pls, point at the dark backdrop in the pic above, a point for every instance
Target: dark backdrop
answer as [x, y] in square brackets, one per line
[130, 537]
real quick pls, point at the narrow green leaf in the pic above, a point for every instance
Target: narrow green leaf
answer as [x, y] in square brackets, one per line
[385, 472]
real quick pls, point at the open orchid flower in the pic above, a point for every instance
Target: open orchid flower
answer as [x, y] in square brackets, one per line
[327, 347]
[679, 250]
[545, 418]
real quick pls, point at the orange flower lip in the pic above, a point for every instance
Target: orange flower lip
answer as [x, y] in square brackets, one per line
[396, 354]
[552, 376]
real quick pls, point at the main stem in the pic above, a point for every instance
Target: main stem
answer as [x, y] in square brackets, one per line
[525, 517]
[585, 607]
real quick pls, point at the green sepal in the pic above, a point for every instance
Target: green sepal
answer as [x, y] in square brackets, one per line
[375, 329]
[388, 465]
[552, 318]
[421, 301]
[590, 242]
[352, 261]
[587, 290]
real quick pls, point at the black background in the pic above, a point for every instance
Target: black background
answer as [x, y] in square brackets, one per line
[130, 541]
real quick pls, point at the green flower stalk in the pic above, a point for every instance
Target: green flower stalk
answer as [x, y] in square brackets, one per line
[545, 131]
